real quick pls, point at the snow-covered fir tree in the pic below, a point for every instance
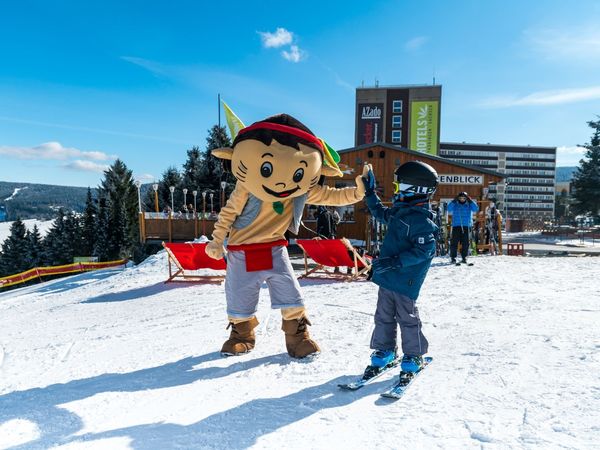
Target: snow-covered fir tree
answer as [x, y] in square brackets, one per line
[586, 181]
[122, 201]
[13, 258]
[170, 177]
[89, 226]
[56, 246]
[101, 249]
[35, 247]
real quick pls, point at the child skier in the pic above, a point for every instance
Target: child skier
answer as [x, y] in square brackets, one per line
[406, 254]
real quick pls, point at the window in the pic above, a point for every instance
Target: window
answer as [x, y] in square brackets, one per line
[396, 121]
[397, 106]
[396, 136]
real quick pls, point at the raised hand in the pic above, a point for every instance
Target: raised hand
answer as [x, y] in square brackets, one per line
[215, 250]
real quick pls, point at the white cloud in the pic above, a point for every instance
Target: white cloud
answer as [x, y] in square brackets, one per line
[551, 97]
[53, 151]
[145, 178]
[151, 66]
[569, 155]
[294, 55]
[86, 166]
[283, 38]
[580, 43]
[92, 130]
[278, 39]
[416, 43]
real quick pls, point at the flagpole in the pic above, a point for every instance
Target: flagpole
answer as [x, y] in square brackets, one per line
[219, 100]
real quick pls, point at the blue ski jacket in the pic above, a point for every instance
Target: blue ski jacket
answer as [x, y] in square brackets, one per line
[462, 213]
[408, 246]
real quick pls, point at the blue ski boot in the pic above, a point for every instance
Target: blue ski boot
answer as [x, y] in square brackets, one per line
[381, 358]
[411, 363]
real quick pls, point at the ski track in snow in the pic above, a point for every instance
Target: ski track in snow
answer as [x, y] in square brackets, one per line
[15, 192]
[117, 359]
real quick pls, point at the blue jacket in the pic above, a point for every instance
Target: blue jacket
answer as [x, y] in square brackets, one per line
[462, 213]
[408, 246]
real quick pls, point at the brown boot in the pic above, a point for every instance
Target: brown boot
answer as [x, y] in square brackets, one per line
[297, 340]
[241, 339]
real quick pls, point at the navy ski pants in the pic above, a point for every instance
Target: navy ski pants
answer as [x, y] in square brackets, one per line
[395, 309]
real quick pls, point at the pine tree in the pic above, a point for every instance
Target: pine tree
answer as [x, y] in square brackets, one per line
[122, 201]
[34, 247]
[193, 169]
[101, 249]
[586, 180]
[72, 242]
[214, 172]
[213, 168]
[88, 232]
[56, 246]
[14, 250]
[171, 177]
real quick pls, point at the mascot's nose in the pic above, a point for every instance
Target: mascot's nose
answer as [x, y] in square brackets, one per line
[282, 184]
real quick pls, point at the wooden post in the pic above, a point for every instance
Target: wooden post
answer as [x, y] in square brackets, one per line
[142, 225]
[499, 225]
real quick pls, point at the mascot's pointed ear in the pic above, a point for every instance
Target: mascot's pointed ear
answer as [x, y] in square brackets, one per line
[223, 153]
[331, 171]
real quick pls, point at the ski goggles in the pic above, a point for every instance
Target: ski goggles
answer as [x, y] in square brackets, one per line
[411, 189]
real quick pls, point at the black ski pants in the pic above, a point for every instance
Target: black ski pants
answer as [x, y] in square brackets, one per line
[460, 234]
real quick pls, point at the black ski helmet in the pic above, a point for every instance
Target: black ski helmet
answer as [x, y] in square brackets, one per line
[416, 179]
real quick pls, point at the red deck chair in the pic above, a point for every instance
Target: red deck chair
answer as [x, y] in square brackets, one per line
[333, 253]
[192, 257]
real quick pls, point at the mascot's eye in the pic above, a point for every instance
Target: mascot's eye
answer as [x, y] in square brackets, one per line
[266, 170]
[298, 175]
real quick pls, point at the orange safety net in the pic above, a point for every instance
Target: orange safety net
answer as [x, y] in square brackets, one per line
[39, 272]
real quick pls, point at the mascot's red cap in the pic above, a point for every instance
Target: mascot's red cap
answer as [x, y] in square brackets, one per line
[284, 129]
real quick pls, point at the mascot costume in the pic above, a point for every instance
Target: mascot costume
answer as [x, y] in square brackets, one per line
[278, 163]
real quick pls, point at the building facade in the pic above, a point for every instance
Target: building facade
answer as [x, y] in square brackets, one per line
[527, 192]
[407, 116]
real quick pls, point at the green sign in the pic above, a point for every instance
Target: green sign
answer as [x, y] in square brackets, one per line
[424, 126]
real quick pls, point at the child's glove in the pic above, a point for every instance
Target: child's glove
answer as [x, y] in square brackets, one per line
[214, 250]
[385, 264]
[368, 178]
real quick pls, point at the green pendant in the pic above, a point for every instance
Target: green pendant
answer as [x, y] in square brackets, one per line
[278, 207]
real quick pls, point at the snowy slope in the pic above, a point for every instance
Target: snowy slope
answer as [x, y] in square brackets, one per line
[117, 360]
[43, 226]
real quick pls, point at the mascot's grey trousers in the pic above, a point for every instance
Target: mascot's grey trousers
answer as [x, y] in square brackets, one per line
[395, 309]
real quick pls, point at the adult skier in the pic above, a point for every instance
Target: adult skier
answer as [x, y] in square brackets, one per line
[462, 209]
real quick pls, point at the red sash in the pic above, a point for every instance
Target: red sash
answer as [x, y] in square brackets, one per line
[258, 256]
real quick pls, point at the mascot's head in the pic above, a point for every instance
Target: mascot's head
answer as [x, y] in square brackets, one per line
[279, 158]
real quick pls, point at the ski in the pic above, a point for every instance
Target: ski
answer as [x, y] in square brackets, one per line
[406, 378]
[371, 373]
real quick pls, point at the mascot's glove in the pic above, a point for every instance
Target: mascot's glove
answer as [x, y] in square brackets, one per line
[367, 179]
[385, 264]
[214, 249]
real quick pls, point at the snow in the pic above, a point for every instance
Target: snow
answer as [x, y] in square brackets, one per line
[15, 192]
[583, 239]
[117, 359]
[43, 226]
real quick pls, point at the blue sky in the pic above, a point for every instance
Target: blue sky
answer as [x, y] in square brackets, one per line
[83, 83]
